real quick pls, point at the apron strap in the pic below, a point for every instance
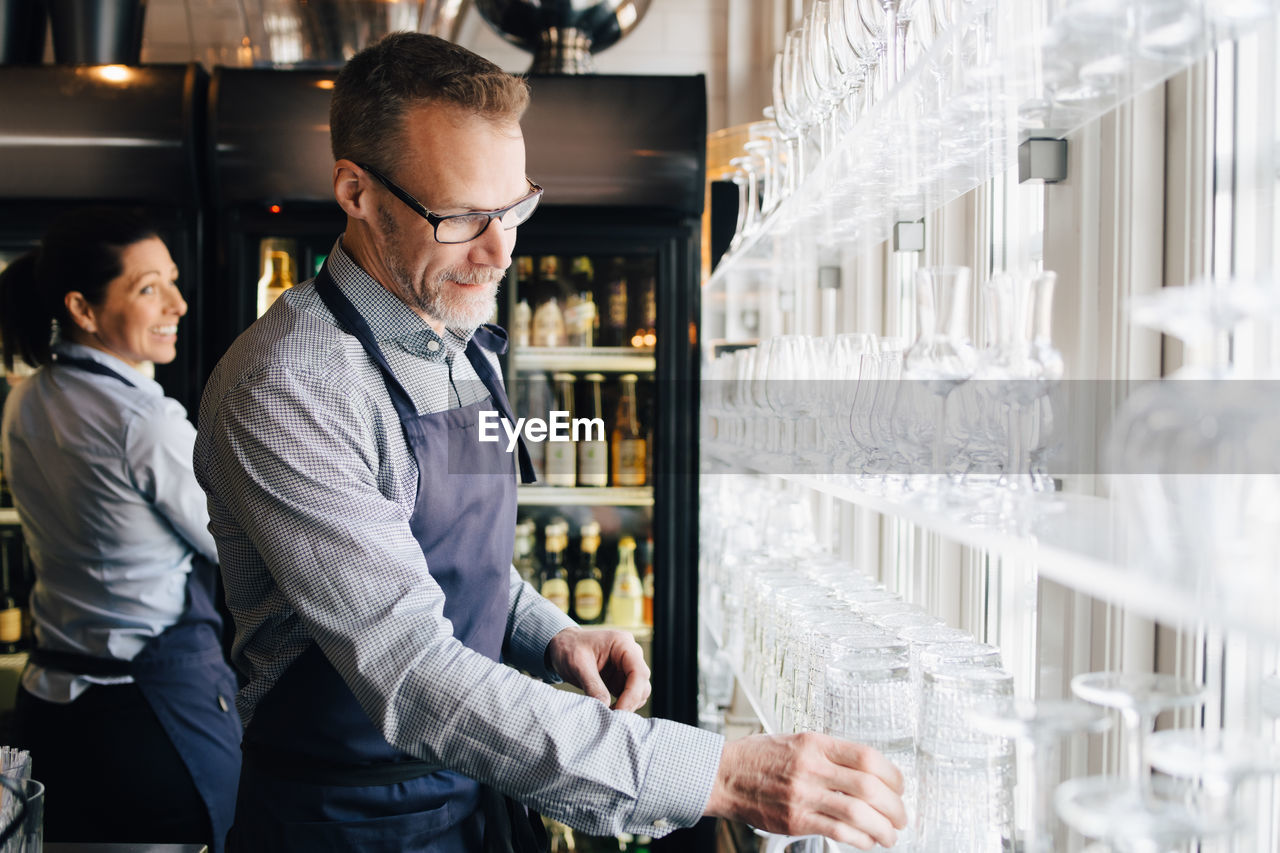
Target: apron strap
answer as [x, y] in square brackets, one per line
[91, 366]
[349, 318]
[494, 339]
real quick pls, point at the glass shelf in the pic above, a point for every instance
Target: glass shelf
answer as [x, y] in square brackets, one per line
[995, 78]
[585, 496]
[1078, 541]
[585, 359]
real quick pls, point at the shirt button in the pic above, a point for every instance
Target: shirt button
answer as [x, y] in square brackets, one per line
[433, 345]
[222, 703]
[661, 823]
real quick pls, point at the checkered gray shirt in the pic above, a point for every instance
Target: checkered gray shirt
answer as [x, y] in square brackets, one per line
[311, 486]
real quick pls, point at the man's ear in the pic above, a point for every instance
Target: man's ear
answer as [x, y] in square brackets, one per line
[349, 190]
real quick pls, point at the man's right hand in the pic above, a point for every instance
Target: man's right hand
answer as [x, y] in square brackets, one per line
[810, 784]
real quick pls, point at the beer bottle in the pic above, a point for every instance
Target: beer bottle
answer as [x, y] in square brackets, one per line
[588, 589]
[593, 452]
[10, 613]
[646, 583]
[616, 332]
[524, 560]
[277, 277]
[537, 404]
[562, 457]
[626, 601]
[555, 579]
[629, 443]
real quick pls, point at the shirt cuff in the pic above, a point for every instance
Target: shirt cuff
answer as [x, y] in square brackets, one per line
[678, 783]
[529, 643]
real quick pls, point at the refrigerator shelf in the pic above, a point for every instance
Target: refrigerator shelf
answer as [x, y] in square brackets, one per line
[585, 496]
[581, 359]
[1082, 542]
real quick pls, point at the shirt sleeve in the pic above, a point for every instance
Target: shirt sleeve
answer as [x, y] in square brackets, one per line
[531, 623]
[158, 447]
[294, 459]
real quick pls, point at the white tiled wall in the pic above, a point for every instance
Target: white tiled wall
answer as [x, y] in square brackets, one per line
[730, 41]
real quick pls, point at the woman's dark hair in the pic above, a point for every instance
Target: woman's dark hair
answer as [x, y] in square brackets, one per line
[80, 251]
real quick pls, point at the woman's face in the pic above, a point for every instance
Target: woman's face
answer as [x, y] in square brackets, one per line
[137, 319]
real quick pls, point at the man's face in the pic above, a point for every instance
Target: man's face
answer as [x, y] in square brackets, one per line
[455, 162]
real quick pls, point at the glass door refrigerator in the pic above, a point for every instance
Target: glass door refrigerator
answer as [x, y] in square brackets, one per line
[271, 190]
[601, 305]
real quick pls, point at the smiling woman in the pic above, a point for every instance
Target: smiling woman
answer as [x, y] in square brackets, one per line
[128, 671]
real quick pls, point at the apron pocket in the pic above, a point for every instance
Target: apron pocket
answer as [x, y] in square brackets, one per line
[418, 832]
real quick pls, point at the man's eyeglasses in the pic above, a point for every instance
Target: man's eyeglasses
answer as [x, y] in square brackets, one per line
[464, 227]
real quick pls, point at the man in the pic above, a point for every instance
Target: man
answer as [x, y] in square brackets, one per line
[366, 539]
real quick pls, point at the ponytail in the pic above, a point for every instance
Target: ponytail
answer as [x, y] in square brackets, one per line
[26, 321]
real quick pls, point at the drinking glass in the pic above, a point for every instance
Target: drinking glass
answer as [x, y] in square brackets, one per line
[966, 774]
[1038, 727]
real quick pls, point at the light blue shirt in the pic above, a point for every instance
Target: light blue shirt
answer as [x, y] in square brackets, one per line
[110, 508]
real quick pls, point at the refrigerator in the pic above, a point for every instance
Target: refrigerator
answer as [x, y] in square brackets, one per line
[622, 161]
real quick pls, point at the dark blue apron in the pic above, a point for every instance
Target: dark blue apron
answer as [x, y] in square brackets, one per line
[185, 679]
[318, 774]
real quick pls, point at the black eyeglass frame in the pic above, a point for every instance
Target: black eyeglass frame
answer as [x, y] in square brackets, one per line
[435, 219]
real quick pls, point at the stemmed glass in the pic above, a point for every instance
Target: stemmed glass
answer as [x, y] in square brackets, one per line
[1038, 727]
[941, 356]
[744, 177]
[1221, 760]
[1126, 812]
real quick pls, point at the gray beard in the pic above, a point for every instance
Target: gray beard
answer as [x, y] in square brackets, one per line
[464, 312]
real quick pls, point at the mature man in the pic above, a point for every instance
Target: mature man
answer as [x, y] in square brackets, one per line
[366, 539]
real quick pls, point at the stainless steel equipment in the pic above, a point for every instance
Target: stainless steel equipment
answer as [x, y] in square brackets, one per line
[562, 34]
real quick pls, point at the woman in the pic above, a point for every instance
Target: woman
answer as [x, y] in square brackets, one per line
[127, 705]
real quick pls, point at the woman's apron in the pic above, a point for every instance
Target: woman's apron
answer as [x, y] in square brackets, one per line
[185, 679]
[318, 774]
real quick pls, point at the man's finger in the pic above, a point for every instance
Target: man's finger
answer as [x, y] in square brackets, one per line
[634, 694]
[858, 756]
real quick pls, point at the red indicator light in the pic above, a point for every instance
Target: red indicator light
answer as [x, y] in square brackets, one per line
[275, 208]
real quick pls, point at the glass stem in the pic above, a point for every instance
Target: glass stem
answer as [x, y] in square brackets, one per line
[1039, 838]
[900, 58]
[1139, 725]
[892, 37]
[940, 439]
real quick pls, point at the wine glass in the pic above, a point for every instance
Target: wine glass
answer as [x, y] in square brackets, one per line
[1221, 760]
[1126, 812]
[941, 357]
[1038, 727]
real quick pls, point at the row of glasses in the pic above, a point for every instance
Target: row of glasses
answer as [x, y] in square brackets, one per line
[903, 104]
[969, 427]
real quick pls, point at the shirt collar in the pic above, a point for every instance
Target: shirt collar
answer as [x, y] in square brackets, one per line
[388, 316]
[139, 379]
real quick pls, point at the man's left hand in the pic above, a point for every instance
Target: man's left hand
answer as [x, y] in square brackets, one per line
[603, 663]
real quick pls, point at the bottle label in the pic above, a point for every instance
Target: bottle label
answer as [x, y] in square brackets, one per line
[593, 463]
[631, 462]
[10, 625]
[556, 590]
[588, 600]
[548, 325]
[561, 463]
